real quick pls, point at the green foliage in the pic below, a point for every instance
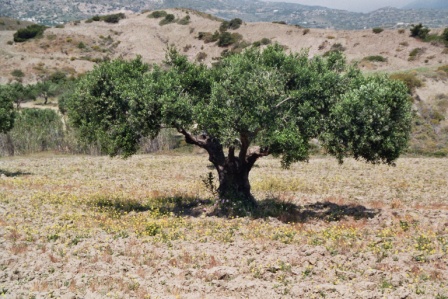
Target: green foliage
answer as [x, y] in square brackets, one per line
[208, 37]
[157, 14]
[29, 32]
[18, 73]
[226, 39]
[235, 23]
[415, 53]
[264, 41]
[409, 79]
[276, 100]
[169, 18]
[419, 31]
[37, 130]
[113, 18]
[110, 103]
[377, 30]
[184, 21]
[445, 35]
[375, 58]
[6, 109]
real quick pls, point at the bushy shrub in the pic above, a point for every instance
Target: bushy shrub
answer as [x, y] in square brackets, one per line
[113, 18]
[157, 14]
[29, 32]
[235, 23]
[18, 73]
[226, 39]
[184, 21]
[263, 41]
[377, 30]
[37, 130]
[419, 31]
[169, 18]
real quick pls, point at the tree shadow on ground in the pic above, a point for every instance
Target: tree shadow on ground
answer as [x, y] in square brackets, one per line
[286, 212]
[177, 205]
[13, 174]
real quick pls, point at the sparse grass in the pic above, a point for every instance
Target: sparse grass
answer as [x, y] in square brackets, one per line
[375, 58]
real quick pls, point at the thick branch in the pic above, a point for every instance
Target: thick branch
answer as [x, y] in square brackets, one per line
[190, 139]
[211, 145]
[255, 154]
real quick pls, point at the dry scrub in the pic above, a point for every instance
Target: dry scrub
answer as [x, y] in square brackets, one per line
[95, 227]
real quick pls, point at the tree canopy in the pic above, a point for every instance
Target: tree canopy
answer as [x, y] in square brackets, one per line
[254, 104]
[6, 109]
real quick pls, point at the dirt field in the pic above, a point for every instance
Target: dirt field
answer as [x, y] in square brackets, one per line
[95, 227]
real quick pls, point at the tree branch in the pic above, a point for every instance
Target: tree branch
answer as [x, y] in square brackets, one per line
[255, 154]
[285, 100]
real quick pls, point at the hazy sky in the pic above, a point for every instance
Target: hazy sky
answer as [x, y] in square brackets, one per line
[352, 5]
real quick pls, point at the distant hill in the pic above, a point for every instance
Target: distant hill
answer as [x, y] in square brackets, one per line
[61, 11]
[430, 4]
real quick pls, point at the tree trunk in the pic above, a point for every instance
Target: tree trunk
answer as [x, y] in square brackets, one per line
[234, 182]
[233, 171]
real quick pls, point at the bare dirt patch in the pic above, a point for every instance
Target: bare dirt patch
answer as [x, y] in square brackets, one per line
[95, 227]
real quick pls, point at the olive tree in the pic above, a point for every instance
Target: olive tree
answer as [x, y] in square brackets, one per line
[6, 109]
[246, 107]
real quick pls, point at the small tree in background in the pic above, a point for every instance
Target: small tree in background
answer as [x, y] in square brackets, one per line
[250, 105]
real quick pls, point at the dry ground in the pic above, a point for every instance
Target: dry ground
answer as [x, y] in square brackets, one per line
[95, 227]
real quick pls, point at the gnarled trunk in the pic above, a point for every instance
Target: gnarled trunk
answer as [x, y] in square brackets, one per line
[234, 182]
[233, 171]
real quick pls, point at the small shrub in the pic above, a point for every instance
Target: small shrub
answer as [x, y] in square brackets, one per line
[401, 31]
[235, 23]
[60, 26]
[187, 47]
[200, 57]
[18, 73]
[81, 45]
[418, 31]
[263, 41]
[375, 58]
[96, 18]
[409, 79]
[279, 22]
[208, 37]
[113, 18]
[306, 31]
[184, 21]
[404, 44]
[226, 39]
[415, 53]
[10, 42]
[29, 32]
[377, 30]
[169, 18]
[157, 14]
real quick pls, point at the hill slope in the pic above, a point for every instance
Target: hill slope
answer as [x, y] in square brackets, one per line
[60, 11]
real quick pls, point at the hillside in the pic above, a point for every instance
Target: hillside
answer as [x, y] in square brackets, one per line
[12, 24]
[61, 11]
[77, 47]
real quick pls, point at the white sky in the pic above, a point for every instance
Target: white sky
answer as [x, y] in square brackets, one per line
[352, 5]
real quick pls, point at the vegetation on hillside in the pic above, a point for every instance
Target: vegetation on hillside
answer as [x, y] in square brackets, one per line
[30, 32]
